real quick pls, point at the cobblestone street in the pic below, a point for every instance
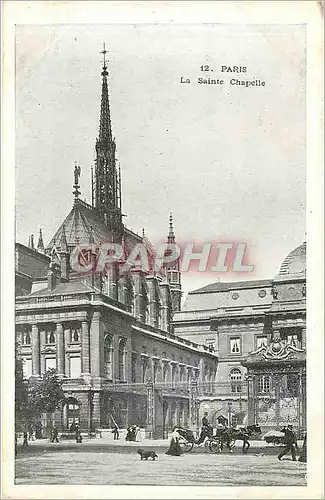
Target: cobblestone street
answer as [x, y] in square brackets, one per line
[86, 465]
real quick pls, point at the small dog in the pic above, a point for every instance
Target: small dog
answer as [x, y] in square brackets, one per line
[147, 454]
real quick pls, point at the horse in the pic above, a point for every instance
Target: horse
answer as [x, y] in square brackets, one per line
[243, 434]
[206, 432]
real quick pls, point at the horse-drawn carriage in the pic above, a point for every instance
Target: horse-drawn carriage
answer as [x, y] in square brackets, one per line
[216, 442]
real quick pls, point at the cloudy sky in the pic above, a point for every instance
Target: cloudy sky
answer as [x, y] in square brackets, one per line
[228, 161]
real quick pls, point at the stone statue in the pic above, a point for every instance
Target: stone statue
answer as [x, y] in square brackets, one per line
[77, 171]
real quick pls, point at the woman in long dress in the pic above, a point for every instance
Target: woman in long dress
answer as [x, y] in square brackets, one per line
[174, 447]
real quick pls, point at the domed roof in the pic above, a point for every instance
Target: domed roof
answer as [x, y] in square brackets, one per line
[295, 262]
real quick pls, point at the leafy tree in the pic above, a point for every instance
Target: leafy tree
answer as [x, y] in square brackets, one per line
[45, 395]
[34, 396]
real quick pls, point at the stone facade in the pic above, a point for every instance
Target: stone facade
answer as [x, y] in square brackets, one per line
[239, 319]
[106, 358]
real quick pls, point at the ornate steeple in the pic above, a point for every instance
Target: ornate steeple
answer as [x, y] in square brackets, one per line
[106, 183]
[173, 272]
[40, 244]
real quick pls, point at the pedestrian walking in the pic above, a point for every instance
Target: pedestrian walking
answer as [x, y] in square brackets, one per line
[174, 449]
[290, 441]
[115, 432]
[55, 435]
[25, 442]
[78, 435]
[31, 433]
[138, 434]
[303, 456]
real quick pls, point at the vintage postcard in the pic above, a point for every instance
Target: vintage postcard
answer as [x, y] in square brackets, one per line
[162, 240]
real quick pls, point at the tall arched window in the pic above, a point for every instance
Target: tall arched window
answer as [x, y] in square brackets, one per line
[235, 380]
[263, 383]
[108, 357]
[121, 359]
[165, 373]
[144, 369]
[174, 374]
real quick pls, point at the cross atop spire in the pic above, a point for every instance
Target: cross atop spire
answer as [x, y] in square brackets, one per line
[105, 128]
[171, 234]
[104, 52]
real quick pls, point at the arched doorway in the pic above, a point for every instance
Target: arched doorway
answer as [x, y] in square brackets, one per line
[72, 412]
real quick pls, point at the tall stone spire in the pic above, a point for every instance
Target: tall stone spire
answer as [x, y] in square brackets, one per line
[173, 272]
[107, 191]
[40, 244]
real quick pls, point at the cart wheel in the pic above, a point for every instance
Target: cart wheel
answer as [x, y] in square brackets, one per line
[186, 446]
[214, 446]
[232, 443]
[207, 444]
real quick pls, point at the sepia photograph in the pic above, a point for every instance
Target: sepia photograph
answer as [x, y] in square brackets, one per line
[160, 254]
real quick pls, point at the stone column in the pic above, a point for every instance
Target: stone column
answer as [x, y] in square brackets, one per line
[150, 427]
[85, 355]
[35, 351]
[42, 345]
[128, 360]
[60, 350]
[192, 405]
[66, 336]
[95, 344]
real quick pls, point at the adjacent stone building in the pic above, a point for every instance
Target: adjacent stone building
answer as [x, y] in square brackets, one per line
[258, 331]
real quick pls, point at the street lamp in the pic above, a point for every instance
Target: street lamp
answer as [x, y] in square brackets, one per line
[229, 413]
[90, 404]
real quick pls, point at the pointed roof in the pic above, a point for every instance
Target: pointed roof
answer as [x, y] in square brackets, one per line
[40, 244]
[83, 225]
[105, 126]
